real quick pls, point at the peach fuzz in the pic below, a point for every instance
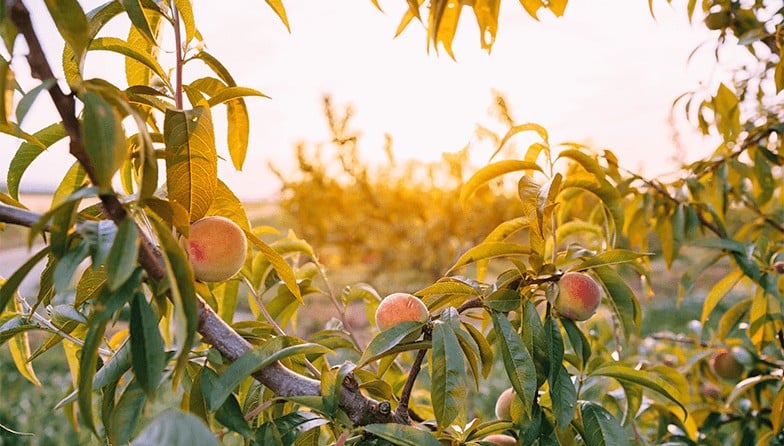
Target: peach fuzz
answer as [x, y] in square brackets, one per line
[578, 297]
[400, 307]
[216, 248]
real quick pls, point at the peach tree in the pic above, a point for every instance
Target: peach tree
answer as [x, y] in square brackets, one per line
[518, 305]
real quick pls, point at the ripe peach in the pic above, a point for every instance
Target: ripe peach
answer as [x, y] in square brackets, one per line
[400, 307]
[216, 248]
[779, 267]
[578, 296]
[504, 404]
[724, 365]
[500, 440]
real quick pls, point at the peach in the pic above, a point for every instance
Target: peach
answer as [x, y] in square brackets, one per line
[500, 440]
[779, 267]
[216, 248]
[724, 365]
[578, 296]
[504, 404]
[400, 307]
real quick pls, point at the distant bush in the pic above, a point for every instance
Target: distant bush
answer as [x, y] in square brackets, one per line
[396, 215]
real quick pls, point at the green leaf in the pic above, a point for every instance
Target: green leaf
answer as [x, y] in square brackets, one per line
[280, 265]
[231, 93]
[601, 428]
[103, 137]
[8, 289]
[125, 417]
[175, 428]
[147, 348]
[449, 381]
[121, 260]
[216, 67]
[88, 362]
[270, 351]
[646, 379]
[229, 413]
[191, 159]
[286, 429]
[15, 326]
[718, 291]
[111, 371]
[137, 73]
[732, 317]
[490, 172]
[139, 20]
[622, 300]
[183, 293]
[563, 396]
[388, 339]
[28, 152]
[401, 435]
[534, 337]
[60, 214]
[29, 98]
[611, 257]
[517, 359]
[485, 350]
[488, 250]
[331, 392]
[578, 341]
[66, 268]
[70, 20]
[119, 46]
[503, 300]
[185, 8]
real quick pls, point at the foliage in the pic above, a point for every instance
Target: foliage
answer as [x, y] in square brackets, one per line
[128, 322]
[358, 212]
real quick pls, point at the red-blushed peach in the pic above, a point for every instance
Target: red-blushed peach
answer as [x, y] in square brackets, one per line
[216, 248]
[724, 365]
[779, 267]
[400, 307]
[503, 405]
[501, 440]
[578, 296]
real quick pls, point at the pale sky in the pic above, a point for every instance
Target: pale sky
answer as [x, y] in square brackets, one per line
[605, 74]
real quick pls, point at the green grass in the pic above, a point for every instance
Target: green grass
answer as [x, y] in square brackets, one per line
[30, 409]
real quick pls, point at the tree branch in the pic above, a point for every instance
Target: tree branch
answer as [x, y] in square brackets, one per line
[214, 331]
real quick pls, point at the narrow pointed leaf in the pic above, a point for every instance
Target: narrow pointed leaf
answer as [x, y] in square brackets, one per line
[175, 428]
[643, 378]
[388, 339]
[121, 260]
[449, 380]
[147, 349]
[490, 250]
[517, 359]
[280, 265]
[401, 435]
[719, 290]
[490, 172]
[601, 428]
[191, 159]
[8, 289]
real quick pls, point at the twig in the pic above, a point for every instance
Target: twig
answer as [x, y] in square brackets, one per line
[275, 326]
[405, 394]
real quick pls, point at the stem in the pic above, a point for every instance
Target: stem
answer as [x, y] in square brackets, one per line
[405, 395]
[278, 329]
[340, 309]
[178, 57]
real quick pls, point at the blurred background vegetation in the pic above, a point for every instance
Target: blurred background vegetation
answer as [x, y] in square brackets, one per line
[397, 227]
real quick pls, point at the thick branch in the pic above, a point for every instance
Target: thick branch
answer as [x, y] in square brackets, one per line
[282, 381]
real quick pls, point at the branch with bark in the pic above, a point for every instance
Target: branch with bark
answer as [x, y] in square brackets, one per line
[214, 331]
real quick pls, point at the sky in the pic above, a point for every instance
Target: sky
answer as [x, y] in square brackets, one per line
[604, 74]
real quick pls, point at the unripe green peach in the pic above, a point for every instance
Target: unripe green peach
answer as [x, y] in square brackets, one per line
[400, 307]
[500, 440]
[216, 248]
[503, 405]
[578, 296]
[724, 365]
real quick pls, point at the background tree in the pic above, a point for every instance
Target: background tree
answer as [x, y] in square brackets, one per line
[184, 370]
